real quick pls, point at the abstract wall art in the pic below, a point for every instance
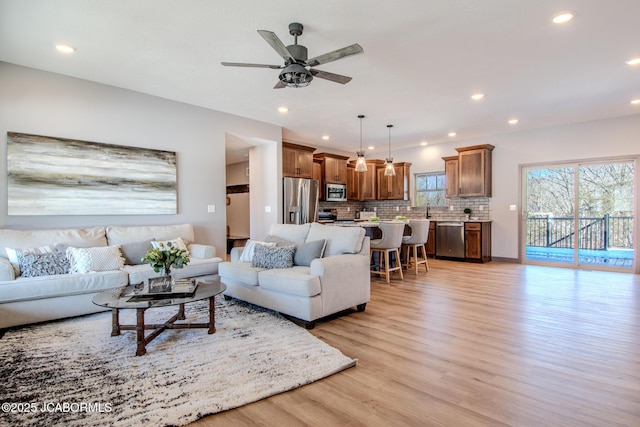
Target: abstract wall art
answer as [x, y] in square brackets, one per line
[58, 176]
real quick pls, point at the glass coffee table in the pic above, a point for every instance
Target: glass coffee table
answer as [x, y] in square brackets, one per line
[119, 298]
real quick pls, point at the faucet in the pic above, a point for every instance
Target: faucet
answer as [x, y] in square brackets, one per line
[428, 214]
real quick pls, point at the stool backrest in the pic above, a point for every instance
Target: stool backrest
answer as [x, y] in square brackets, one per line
[391, 234]
[419, 231]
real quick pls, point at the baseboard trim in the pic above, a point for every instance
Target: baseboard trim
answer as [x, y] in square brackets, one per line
[501, 259]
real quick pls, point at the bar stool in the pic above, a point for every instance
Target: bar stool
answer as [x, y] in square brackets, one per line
[417, 240]
[390, 243]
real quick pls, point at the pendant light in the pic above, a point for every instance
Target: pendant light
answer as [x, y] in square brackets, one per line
[389, 170]
[361, 165]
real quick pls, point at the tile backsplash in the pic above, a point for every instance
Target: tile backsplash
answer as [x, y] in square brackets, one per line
[389, 209]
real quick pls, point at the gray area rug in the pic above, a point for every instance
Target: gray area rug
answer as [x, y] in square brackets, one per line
[85, 377]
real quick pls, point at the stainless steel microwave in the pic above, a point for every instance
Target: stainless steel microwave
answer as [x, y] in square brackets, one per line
[335, 192]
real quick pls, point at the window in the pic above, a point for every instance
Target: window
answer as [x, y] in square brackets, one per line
[430, 189]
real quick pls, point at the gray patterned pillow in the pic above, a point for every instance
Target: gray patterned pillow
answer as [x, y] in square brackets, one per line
[273, 257]
[46, 264]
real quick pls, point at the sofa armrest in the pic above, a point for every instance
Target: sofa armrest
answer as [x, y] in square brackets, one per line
[202, 251]
[235, 253]
[345, 280]
[6, 270]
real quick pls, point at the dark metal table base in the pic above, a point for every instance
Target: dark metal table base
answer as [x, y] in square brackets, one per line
[140, 325]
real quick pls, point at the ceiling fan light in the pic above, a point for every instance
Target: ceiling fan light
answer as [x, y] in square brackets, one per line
[295, 75]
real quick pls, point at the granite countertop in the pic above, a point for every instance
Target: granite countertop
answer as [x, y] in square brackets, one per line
[375, 224]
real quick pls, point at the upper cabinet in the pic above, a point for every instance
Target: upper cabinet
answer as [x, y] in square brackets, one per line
[297, 160]
[334, 168]
[366, 183]
[469, 173]
[394, 187]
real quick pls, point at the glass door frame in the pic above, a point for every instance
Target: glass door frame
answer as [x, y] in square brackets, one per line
[575, 164]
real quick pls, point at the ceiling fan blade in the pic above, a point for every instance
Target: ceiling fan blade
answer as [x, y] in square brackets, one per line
[279, 85]
[243, 64]
[330, 76]
[276, 44]
[354, 49]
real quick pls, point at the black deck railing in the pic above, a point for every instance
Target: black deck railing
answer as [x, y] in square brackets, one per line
[598, 233]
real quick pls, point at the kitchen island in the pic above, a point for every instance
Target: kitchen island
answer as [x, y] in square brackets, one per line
[476, 235]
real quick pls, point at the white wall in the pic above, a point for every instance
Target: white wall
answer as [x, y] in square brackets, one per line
[42, 103]
[597, 139]
[239, 207]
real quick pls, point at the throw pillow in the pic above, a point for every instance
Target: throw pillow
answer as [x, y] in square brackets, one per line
[307, 252]
[13, 254]
[134, 252]
[103, 258]
[273, 257]
[174, 242]
[249, 249]
[46, 264]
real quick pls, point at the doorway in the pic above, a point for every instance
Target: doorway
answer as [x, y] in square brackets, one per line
[580, 214]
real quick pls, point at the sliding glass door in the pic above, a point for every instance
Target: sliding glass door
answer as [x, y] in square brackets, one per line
[579, 214]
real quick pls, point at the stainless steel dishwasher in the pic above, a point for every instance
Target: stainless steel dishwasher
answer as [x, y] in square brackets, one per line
[450, 239]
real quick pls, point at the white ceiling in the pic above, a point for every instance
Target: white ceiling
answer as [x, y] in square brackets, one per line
[422, 60]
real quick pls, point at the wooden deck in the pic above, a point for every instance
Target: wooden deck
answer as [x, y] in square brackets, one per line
[492, 344]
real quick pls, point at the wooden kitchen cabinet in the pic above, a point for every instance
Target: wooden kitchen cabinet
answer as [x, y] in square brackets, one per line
[333, 168]
[451, 186]
[352, 182]
[394, 187]
[431, 240]
[477, 241]
[469, 173]
[297, 160]
[366, 182]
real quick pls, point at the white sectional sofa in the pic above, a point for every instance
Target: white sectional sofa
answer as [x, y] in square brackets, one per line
[25, 300]
[316, 287]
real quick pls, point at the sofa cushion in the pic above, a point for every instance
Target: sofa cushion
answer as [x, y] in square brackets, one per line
[134, 252]
[84, 260]
[292, 232]
[29, 288]
[294, 281]
[242, 272]
[43, 264]
[120, 235]
[197, 267]
[307, 252]
[340, 240]
[77, 237]
[250, 247]
[273, 257]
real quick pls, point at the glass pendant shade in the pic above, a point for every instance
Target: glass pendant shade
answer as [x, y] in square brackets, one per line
[389, 170]
[361, 164]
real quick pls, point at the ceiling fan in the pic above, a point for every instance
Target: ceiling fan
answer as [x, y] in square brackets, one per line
[297, 70]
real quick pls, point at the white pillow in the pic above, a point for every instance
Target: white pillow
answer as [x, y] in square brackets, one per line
[174, 242]
[250, 247]
[103, 258]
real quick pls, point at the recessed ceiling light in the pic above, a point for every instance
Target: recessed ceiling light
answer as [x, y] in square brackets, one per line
[513, 121]
[452, 134]
[65, 48]
[633, 61]
[283, 110]
[325, 137]
[371, 147]
[423, 143]
[562, 17]
[477, 96]
[636, 101]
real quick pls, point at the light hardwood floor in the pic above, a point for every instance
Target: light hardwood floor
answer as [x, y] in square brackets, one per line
[476, 345]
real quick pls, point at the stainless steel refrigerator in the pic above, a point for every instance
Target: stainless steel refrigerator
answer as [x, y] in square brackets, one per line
[300, 200]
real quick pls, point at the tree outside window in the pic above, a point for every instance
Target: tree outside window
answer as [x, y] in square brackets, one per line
[430, 189]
